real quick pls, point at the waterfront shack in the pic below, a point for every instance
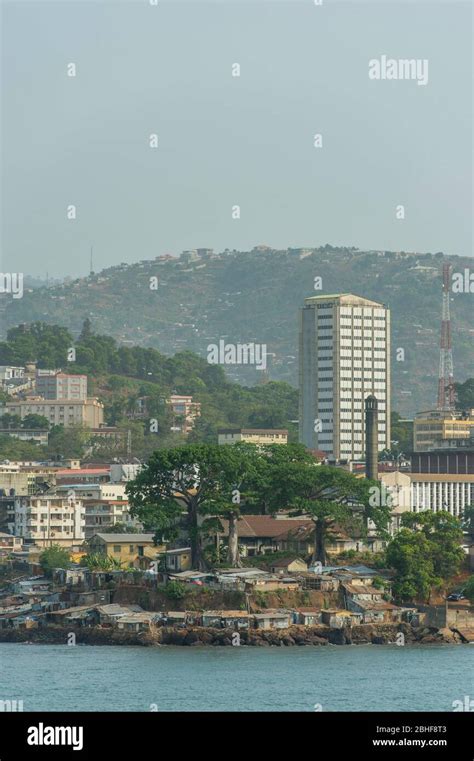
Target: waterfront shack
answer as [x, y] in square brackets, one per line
[273, 619]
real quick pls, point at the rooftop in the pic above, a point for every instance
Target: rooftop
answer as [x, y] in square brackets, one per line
[124, 538]
[350, 299]
[265, 525]
[256, 431]
[284, 562]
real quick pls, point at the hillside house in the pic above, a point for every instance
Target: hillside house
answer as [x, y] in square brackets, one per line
[261, 534]
[131, 550]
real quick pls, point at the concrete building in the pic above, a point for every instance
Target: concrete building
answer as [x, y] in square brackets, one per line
[105, 504]
[124, 471]
[396, 490]
[440, 429]
[252, 435]
[344, 356]
[84, 412]
[13, 380]
[101, 514]
[10, 543]
[53, 384]
[97, 491]
[427, 491]
[129, 549]
[7, 514]
[453, 461]
[9, 372]
[22, 480]
[36, 435]
[185, 412]
[46, 520]
[436, 492]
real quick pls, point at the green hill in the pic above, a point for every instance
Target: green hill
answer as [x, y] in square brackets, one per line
[255, 296]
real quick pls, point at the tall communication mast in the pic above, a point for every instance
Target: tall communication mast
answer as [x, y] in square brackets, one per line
[446, 398]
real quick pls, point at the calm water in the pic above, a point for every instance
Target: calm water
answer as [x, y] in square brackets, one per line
[349, 678]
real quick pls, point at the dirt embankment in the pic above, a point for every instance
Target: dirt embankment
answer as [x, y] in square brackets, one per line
[380, 634]
[198, 598]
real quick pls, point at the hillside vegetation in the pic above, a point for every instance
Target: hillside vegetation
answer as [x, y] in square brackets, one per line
[255, 296]
[119, 375]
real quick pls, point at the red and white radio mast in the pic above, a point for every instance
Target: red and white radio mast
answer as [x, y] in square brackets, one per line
[446, 397]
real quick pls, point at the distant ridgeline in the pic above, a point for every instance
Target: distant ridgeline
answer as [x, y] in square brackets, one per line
[194, 301]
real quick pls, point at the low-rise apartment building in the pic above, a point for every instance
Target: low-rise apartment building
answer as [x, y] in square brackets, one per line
[185, 412]
[70, 412]
[52, 384]
[46, 520]
[101, 514]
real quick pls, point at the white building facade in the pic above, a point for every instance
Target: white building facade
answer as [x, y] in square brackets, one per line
[436, 492]
[344, 356]
[47, 520]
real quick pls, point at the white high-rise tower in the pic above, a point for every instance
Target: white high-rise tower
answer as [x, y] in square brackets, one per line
[344, 357]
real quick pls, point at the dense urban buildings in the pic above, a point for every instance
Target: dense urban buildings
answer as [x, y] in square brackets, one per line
[344, 356]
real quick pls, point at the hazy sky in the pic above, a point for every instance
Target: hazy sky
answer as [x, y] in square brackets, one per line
[225, 140]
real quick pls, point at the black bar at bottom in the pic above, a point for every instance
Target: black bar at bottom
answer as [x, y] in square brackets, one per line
[228, 735]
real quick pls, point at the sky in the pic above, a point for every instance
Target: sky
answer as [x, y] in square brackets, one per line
[229, 141]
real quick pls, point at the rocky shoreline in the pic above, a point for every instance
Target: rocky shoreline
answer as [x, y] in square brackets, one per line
[382, 634]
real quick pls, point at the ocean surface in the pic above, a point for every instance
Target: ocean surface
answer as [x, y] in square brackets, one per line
[337, 678]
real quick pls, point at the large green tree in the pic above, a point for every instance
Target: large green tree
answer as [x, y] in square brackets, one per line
[444, 533]
[273, 483]
[409, 553]
[54, 557]
[35, 421]
[465, 394]
[196, 482]
[331, 497]
[425, 553]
